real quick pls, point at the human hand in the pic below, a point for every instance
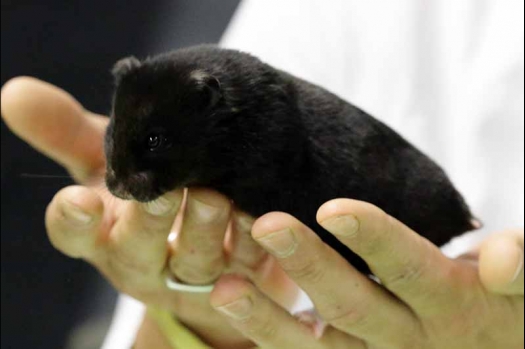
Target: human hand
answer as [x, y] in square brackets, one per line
[501, 262]
[125, 240]
[426, 300]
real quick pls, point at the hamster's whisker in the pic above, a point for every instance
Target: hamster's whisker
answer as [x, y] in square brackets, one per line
[35, 175]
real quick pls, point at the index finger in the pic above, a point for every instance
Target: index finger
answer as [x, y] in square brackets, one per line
[55, 124]
[344, 298]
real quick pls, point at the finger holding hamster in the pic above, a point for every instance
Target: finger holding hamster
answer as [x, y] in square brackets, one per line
[137, 244]
[199, 256]
[407, 264]
[245, 252]
[345, 298]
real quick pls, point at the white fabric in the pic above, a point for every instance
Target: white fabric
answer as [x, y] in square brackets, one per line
[126, 323]
[447, 75]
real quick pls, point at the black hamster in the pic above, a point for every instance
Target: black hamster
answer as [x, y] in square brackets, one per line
[212, 117]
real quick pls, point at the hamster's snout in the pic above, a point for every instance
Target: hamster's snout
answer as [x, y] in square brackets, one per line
[138, 186]
[119, 190]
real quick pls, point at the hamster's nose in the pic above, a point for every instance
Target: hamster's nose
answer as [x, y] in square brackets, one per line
[117, 187]
[139, 179]
[141, 186]
[120, 190]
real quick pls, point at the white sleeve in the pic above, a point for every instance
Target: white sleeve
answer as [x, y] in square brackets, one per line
[127, 319]
[447, 75]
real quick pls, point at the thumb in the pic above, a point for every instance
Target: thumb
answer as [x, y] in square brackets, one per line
[54, 123]
[501, 263]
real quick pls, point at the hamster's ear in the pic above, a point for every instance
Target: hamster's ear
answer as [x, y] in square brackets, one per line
[124, 67]
[209, 86]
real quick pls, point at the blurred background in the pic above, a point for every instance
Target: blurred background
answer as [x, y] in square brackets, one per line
[48, 300]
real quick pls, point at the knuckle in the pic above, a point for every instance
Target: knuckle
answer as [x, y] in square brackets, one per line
[414, 271]
[261, 328]
[344, 318]
[408, 275]
[307, 270]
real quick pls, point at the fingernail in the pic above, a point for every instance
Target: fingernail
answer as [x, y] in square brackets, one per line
[346, 225]
[205, 212]
[75, 215]
[239, 309]
[519, 268]
[161, 206]
[281, 243]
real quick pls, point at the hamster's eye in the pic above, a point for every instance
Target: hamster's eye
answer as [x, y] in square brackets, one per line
[158, 142]
[154, 142]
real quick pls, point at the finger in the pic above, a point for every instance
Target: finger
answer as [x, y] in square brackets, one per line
[73, 220]
[265, 323]
[199, 256]
[407, 264]
[137, 247]
[249, 259]
[245, 250]
[344, 298]
[501, 263]
[54, 123]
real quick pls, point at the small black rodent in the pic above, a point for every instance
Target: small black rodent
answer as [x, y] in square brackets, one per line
[211, 117]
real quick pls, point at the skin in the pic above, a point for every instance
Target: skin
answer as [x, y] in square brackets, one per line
[432, 302]
[428, 301]
[126, 240]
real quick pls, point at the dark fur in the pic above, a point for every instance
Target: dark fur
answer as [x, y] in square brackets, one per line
[270, 142]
